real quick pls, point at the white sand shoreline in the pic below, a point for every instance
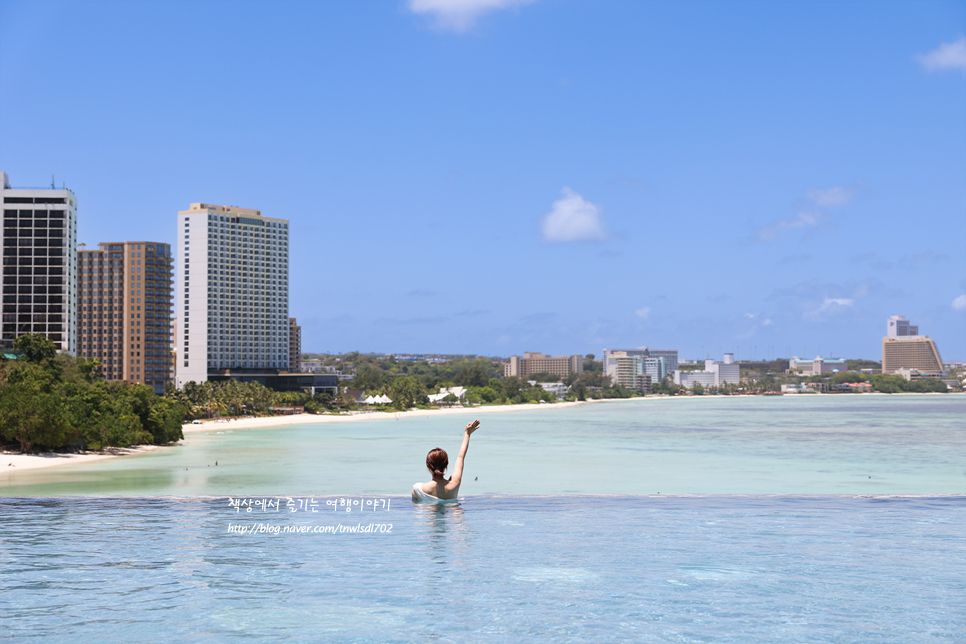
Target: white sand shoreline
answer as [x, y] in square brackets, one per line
[12, 462]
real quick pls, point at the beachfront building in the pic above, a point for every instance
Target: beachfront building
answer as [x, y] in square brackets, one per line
[628, 371]
[559, 389]
[294, 345]
[670, 357]
[39, 264]
[124, 310]
[918, 353]
[904, 349]
[233, 292]
[818, 365]
[714, 374]
[532, 363]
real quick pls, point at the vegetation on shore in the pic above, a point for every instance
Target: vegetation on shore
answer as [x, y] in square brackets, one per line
[51, 401]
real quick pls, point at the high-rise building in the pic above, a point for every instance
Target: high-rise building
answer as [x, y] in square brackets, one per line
[294, 345]
[39, 264]
[656, 368]
[904, 348]
[628, 371]
[124, 311]
[898, 326]
[670, 357]
[532, 363]
[609, 356]
[233, 292]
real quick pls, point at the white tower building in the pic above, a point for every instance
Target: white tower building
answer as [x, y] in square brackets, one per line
[232, 282]
[39, 264]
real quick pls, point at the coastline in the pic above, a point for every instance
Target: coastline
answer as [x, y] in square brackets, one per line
[302, 419]
[11, 462]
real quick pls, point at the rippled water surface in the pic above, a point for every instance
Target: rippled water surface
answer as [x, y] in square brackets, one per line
[913, 444]
[493, 569]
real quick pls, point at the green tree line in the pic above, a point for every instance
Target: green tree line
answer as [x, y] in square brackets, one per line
[54, 402]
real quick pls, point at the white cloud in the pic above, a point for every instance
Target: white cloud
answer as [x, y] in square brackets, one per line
[804, 219]
[767, 322]
[573, 219]
[832, 303]
[459, 15]
[959, 304]
[643, 313]
[950, 55]
[834, 196]
[809, 216]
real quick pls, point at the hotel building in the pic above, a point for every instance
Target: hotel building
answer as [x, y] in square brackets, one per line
[670, 357]
[124, 311]
[714, 374]
[628, 371]
[532, 363]
[818, 366]
[232, 291]
[39, 264]
[904, 349]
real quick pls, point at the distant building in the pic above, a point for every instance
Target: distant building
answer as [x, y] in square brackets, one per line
[294, 345]
[124, 314]
[39, 264]
[557, 388]
[906, 349]
[918, 353]
[656, 368]
[818, 365]
[714, 374]
[312, 366]
[532, 363]
[898, 326]
[628, 371]
[670, 357]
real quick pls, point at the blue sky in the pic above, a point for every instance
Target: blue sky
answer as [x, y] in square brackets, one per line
[495, 176]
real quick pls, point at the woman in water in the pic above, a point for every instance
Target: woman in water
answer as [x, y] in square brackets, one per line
[440, 489]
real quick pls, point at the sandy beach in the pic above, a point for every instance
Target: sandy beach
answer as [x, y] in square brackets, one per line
[14, 461]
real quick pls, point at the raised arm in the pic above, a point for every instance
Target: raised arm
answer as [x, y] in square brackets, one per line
[458, 467]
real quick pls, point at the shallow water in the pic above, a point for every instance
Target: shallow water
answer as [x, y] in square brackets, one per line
[910, 444]
[493, 569]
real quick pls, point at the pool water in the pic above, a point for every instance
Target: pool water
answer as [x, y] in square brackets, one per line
[514, 569]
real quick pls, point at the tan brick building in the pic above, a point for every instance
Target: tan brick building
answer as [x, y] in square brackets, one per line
[532, 363]
[294, 345]
[124, 311]
[911, 352]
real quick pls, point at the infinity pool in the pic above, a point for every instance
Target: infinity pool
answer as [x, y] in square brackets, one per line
[493, 569]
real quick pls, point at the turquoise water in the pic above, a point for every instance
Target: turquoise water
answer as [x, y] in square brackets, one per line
[493, 569]
[560, 537]
[715, 445]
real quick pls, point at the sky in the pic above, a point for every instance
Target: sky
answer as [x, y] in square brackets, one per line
[498, 176]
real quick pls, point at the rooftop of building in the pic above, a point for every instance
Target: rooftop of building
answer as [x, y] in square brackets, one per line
[5, 185]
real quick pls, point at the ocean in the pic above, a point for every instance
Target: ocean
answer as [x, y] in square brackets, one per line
[826, 519]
